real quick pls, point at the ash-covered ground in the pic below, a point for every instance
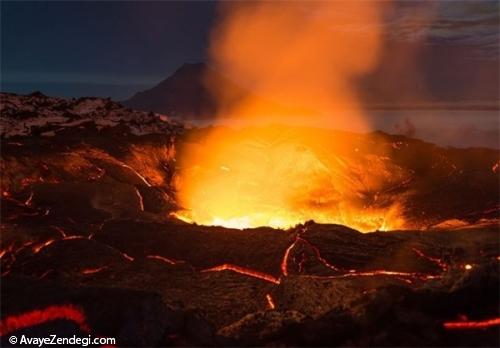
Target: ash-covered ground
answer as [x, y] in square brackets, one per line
[87, 191]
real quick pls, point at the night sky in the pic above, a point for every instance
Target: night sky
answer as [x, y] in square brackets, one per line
[106, 49]
[115, 49]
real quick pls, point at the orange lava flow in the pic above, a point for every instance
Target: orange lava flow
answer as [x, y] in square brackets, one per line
[39, 247]
[93, 270]
[60, 230]
[406, 277]
[318, 255]
[127, 257]
[161, 258]
[245, 271]
[414, 275]
[263, 184]
[440, 263]
[284, 261]
[270, 302]
[470, 325]
[140, 199]
[72, 313]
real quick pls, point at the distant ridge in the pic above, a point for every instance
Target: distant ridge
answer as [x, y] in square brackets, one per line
[184, 94]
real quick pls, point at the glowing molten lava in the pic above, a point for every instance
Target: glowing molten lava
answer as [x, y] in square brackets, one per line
[270, 302]
[245, 271]
[302, 58]
[470, 325]
[280, 177]
[35, 317]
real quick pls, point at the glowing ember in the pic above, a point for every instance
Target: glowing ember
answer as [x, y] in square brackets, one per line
[72, 313]
[245, 271]
[468, 325]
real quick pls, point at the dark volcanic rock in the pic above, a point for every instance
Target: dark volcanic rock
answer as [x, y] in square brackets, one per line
[222, 307]
[88, 202]
[98, 160]
[134, 318]
[203, 247]
[256, 328]
[406, 251]
[68, 257]
[86, 234]
[218, 298]
[315, 296]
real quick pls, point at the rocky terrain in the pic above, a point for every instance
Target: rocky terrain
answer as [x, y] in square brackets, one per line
[88, 244]
[37, 114]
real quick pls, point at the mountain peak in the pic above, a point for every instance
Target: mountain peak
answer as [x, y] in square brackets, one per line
[184, 94]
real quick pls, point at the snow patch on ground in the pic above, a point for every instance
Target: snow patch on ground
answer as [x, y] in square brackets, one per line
[26, 115]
